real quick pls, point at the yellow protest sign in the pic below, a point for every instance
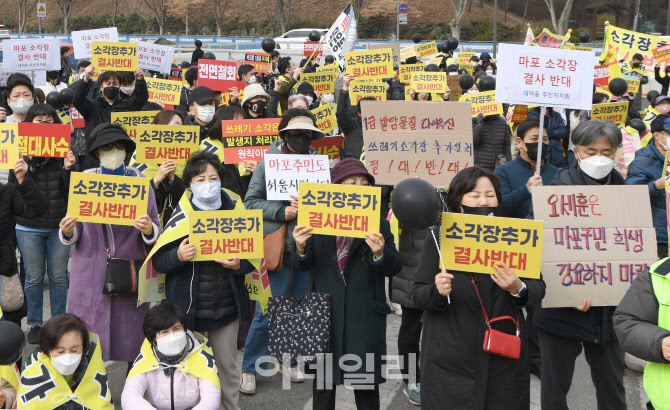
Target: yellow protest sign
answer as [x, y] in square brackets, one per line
[133, 118]
[476, 243]
[9, 145]
[224, 234]
[436, 60]
[113, 56]
[156, 143]
[370, 64]
[633, 84]
[323, 83]
[325, 118]
[467, 67]
[406, 71]
[328, 69]
[167, 91]
[361, 89]
[625, 43]
[465, 56]
[407, 52]
[340, 210]
[425, 50]
[549, 40]
[257, 283]
[108, 199]
[616, 113]
[483, 103]
[429, 82]
[648, 118]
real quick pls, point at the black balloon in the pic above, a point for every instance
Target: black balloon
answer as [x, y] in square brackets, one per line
[487, 83]
[417, 38]
[584, 37]
[651, 96]
[452, 43]
[444, 47]
[53, 99]
[314, 36]
[66, 96]
[432, 67]
[466, 82]
[638, 125]
[268, 45]
[415, 203]
[12, 341]
[208, 56]
[618, 86]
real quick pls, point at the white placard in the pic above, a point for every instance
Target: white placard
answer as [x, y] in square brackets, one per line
[31, 54]
[284, 172]
[82, 40]
[39, 78]
[545, 76]
[154, 57]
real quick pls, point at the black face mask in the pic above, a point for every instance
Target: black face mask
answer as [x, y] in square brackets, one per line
[257, 107]
[531, 150]
[481, 210]
[299, 143]
[636, 65]
[111, 92]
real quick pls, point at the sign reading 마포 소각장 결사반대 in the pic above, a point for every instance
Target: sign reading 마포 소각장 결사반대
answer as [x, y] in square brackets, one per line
[223, 234]
[283, 173]
[156, 143]
[31, 54]
[155, 57]
[597, 239]
[82, 41]
[405, 139]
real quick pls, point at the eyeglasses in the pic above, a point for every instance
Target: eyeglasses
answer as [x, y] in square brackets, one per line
[117, 145]
[357, 183]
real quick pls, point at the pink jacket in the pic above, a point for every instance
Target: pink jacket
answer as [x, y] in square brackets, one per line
[151, 390]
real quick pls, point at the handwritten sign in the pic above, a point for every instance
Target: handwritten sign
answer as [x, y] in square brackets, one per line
[426, 50]
[590, 250]
[406, 71]
[416, 139]
[325, 118]
[108, 56]
[44, 140]
[395, 49]
[330, 146]
[217, 75]
[245, 140]
[9, 145]
[339, 210]
[155, 57]
[483, 103]
[362, 89]
[82, 41]
[429, 82]
[31, 54]
[169, 92]
[220, 235]
[323, 83]
[407, 52]
[156, 143]
[478, 243]
[613, 112]
[310, 47]
[370, 64]
[260, 61]
[107, 199]
[455, 87]
[283, 172]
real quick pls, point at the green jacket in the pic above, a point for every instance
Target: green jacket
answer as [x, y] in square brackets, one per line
[287, 89]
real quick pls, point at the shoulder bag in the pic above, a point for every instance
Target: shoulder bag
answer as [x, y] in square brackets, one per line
[121, 274]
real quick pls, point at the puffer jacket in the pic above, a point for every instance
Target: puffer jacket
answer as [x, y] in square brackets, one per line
[491, 137]
[410, 244]
[351, 126]
[557, 132]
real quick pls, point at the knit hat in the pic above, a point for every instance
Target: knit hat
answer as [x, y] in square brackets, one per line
[349, 167]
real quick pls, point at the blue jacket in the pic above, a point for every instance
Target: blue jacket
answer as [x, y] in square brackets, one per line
[513, 177]
[646, 168]
[557, 132]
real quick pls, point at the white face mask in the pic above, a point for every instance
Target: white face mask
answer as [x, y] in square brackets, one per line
[453, 72]
[172, 344]
[329, 98]
[597, 166]
[252, 79]
[472, 91]
[66, 364]
[666, 146]
[206, 113]
[206, 190]
[128, 90]
[489, 73]
[21, 105]
[310, 100]
[112, 159]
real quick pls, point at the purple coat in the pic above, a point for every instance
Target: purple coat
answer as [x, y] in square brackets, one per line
[117, 320]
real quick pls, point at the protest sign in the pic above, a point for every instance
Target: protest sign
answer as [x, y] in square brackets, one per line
[325, 118]
[331, 68]
[612, 112]
[361, 89]
[258, 285]
[107, 199]
[155, 57]
[156, 143]
[662, 54]
[483, 103]
[220, 235]
[407, 52]
[323, 83]
[406, 71]
[245, 140]
[218, 75]
[520, 114]
[283, 172]
[309, 48]
[625, 43]
[169, 92]
[76, 118]
[110, 56]
[601, 76]
[649, 116]
[370, 64]
[31, 54]
[38, 78]
[260, 61]
[176, 74]
[455, 87]
[395, 48]
[82, 41]
[341, 36]
[429, 82]
[339, 210]
[44, 140]
[131, 119]
[545, 76]
[426, 50]
[597, 239]
[416, 139]
[548, 39]
[330, 146]
[633, 84]
[630, 143]
[436, 60]
[469, 68]
[9, 145]
[465, 56]
[477, 243]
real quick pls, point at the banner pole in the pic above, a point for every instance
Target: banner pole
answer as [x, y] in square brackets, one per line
[538, 165]
[315, 50]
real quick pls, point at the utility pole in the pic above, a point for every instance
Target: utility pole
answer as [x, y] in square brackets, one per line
[495, 27]
[637, 14]
[397, 22]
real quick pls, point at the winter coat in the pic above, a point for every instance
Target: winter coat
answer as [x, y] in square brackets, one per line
[396, 90]
[53, 181]
[152, 390]
[167, 195]
[287, 89]
[456, 372]
[358, 308]
[557, 132]
[594, 325]
[24, 200]
[98, 111]
[664, 81]
[645, 169]
[491, 138]
[351, 126]
[410, 244]
[114, 319]
[197, 55]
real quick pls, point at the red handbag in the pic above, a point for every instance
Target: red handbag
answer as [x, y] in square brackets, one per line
[497, 342]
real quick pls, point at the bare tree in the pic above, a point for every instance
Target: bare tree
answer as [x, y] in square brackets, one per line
[115, 12]
[25, 8]
[459, 12]
[219, 8]
[637, 14]
[66, 8]
[560, 26]
[525, 10]
[506, 9]
[358, 6]
[284, 13]
[159, 8]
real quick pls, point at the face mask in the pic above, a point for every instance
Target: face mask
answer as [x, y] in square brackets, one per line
[112, 159]
[172, 344]
[257, 107]
[453, 72]
[128, 90]
[472, 92]
[329, 98]
[207, 195]
[299, 143]
[310, 100]
[206, 113]
[21, 105]
[597, 166]
[489, 73]
[531, 150]
[252, 79]
[636, 65]
[66, 364]
[111, 92]
[481, 210]
[666, 146]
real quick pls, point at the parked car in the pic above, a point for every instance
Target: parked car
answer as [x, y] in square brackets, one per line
[4, 32]
[295, 39]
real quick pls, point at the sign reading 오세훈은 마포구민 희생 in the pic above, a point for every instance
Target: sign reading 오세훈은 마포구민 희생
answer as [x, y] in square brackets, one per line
[545, 77]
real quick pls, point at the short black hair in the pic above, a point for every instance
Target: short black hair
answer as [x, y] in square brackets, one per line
[37, 110]
[64, 50]
[465, 181]
[358, 106]
[162, 316]
[637, 56]
[127, 77]
[288, 115]
[244, 69]
[282, 66]
[197, 164]
[224, 113]
[151, 106]
[274, 54]
[191, 75]
[107, 75]
[59, 325]
[198, 43]
[83, 64]
[16, 80]
[528, 125]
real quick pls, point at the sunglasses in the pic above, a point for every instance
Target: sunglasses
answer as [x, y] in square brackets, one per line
[117, 145]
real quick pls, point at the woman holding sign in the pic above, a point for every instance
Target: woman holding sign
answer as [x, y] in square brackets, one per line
[455, 369]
